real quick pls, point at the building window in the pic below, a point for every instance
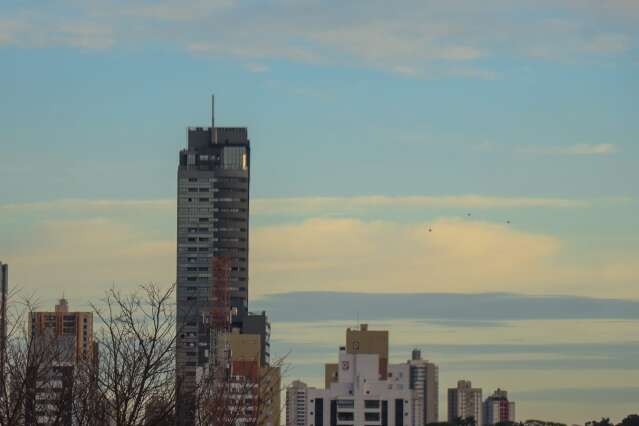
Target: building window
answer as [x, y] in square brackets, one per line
[371, 417]
[371, 403]
[345, 403]
[346, 416]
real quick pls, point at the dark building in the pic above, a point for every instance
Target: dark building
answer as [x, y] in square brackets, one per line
[212, 220]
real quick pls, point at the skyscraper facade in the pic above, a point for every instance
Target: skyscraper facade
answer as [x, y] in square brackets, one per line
[465, 401]
[212, 220]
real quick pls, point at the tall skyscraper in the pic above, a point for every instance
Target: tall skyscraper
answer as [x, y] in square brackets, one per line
[212, 220]
[465, 401]
[424, 379]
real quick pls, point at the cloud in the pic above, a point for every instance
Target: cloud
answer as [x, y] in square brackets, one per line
[608, 43]
[257, 68]
[93, 205]
[353, 255]
[86, 35]
[421, 39]
[173, 10]
[457, 256]
[129, 242]
[326, 205]
[442, 309]
[572, 150]
[575, 150]
[316, 205]
[84, 257]
[10, 30]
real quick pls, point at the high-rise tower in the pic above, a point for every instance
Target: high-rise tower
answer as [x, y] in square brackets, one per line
[212, 220]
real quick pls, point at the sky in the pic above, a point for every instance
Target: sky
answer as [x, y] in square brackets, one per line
[461, 148]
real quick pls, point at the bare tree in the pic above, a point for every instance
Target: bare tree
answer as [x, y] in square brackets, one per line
[130, 379]
[29, 367]
[135, 369]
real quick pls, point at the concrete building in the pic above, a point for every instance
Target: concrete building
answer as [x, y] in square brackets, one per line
[362, 388]
[361, 396]
[497, 408]
[246, 364]
[424, 380]
[67, 339]
[465, 401]
[74, 330]
[362, 341]
[296, 398]
[212, 220]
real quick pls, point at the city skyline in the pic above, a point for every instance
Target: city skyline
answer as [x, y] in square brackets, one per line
[482, 156]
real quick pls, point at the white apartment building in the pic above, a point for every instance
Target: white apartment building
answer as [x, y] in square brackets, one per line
[361, 396]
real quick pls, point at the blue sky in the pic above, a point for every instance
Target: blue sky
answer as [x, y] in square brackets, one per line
[370, 123]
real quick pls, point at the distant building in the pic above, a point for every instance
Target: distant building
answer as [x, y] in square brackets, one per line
[362, 341]
[296, 397]
[424, 380]
[362, 388]
[497, 408]
[465, 401]
[361, 395]
[73, 329]
[67, 340]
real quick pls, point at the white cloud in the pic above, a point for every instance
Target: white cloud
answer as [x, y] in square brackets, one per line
[457, 256]
[85, 256]
[572, 150]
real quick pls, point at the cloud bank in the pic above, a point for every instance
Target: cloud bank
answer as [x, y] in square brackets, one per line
[418, 39]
